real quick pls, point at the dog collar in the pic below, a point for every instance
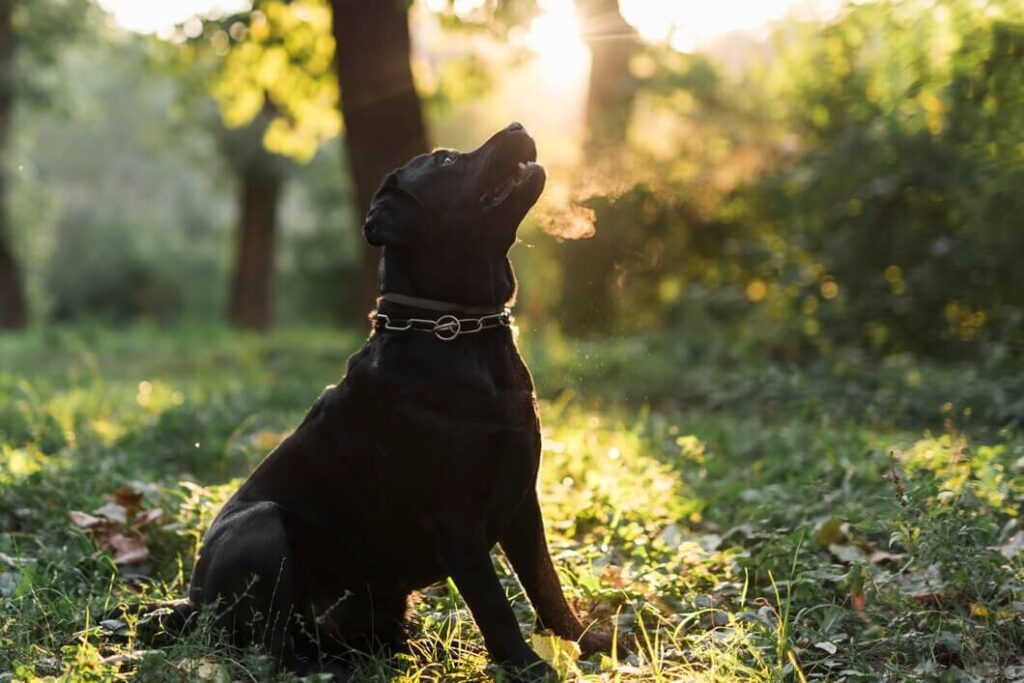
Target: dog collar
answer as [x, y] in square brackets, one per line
[446, 328]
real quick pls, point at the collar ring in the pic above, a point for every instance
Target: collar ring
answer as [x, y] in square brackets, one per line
[447, 328]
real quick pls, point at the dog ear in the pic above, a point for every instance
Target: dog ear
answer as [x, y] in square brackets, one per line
[395, 217]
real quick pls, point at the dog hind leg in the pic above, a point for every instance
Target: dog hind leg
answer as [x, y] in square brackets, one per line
[247, 568]
[368, 619]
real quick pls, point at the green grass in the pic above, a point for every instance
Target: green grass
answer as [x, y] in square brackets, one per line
[741, 520]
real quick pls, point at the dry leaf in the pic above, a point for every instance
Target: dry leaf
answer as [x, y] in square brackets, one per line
[113, 512]
[710, 542]
[1013, 546]
[826, 646]
[108, 525]
[880, 556]
[128, 498]
[146, 517]
[559, 653]
[127, 549]
[83, 520]
[829, 532]
[847, 553]
[612, 576]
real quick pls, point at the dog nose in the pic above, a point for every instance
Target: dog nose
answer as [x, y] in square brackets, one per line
[514, 126]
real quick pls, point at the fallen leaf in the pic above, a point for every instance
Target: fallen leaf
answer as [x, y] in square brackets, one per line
[612, 576]
[880, 556]
[113, 512]
[847, 553]
[128, 498]
[1013, 546]
[829, 532]
[826, 646]
[710, 542]
[127, 549]
[84, 520]
[922, 583]
[561, 654]
[146, 517]
[928, 597]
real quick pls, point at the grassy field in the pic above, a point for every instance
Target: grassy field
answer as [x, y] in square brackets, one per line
[845, 520]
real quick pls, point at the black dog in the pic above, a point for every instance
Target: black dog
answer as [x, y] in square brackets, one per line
[422, 459]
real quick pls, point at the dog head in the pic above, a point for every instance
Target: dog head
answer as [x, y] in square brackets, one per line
[447, 219]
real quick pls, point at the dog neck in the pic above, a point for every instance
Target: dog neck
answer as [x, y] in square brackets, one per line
[457, 284]
[435, 305]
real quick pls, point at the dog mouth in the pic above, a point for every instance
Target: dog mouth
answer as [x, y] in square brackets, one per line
[520, 174]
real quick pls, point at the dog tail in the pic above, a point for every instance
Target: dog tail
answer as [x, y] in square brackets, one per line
[157, 623]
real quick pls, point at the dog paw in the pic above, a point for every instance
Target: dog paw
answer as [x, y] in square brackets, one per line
[592, 643]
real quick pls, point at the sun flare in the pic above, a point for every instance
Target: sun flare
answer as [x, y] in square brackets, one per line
[554, 36]
[160, 16]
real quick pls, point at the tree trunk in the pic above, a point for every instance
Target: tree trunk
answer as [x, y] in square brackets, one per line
[251, 300]
[13, 306]
[384, 125]
[590, 264]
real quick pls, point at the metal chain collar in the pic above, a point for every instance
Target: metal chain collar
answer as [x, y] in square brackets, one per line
[445, 328]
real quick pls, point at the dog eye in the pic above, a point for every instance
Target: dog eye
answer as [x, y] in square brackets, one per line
[448, 160]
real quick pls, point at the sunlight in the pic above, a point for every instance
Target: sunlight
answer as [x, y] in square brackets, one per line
[554, 36]
[155, 16]
[686, 26]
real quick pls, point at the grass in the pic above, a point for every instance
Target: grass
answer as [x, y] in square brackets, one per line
[773, 524]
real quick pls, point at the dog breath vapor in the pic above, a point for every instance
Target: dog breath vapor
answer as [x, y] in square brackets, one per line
[562, 211]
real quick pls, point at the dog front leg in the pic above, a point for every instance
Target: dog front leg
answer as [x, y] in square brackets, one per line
[526, 547]
[469, 565]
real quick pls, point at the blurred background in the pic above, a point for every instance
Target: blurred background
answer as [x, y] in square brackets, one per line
[792, 178]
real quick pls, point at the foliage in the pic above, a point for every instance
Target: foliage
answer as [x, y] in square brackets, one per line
[125, 210]
[275, 61]
[889, 228]
[114, 222]
[497, 16]
[284, 61]
[763, 547]
[851, 188]
[43, 28]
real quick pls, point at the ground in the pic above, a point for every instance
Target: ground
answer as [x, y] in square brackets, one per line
[847, 519]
